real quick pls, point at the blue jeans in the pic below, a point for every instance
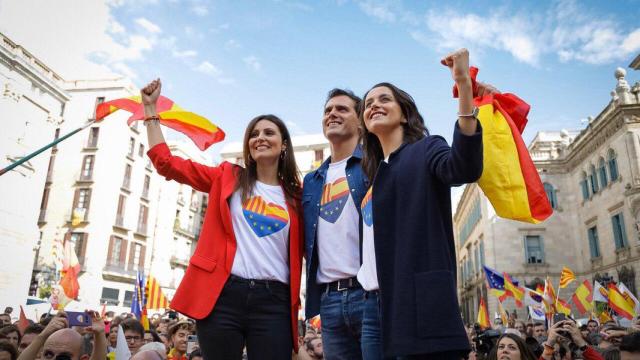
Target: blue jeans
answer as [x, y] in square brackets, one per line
[341, 318]
[371, 324]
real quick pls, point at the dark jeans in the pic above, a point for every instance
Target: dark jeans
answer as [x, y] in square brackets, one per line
[341, 319]
[371, 327]
[251, 313]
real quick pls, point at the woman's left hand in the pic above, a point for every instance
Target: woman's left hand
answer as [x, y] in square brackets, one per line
[486, 89]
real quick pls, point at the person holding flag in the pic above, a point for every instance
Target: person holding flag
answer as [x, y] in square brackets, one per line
[411, 255]
[242, 284]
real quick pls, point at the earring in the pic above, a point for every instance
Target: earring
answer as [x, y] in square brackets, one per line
[283, 154]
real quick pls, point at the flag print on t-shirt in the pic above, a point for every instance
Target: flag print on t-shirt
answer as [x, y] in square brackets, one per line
[334, 197]
[264, 218]
[367, 208]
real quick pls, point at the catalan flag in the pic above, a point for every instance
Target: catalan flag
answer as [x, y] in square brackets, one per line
[509, 180]
[155, 297]
[515, 291]
[483, 315]
[199, 129]
[583, 297]
[566, 277]
[621, 305]
[563, 307]
[549, 296]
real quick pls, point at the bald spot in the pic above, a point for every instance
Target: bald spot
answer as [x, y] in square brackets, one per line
[147, 355]
[65, 340]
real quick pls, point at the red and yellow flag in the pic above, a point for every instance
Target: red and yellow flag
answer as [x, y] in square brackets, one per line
[621, 305]
[199, 129]
[563, 307]
[70, 271]
[549, 296]
[515, 291]
[155, 297]
[566, 277]
[509, 180]
[483, 315]
[583, 297]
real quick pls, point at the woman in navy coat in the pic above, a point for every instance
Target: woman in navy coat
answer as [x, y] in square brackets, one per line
[413, 243]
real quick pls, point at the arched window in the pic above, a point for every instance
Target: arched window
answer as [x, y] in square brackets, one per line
[584, 186]
[593, 179]
[613, 165]
[551, 195]
[602, 172]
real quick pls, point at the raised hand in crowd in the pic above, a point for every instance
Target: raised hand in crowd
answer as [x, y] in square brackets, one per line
[58, 322]
[99, 337]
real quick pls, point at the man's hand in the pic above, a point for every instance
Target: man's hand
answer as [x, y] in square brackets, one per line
[552, 334]
[151, 92]
[575, 333]
[458, 63]
[58, 322]
[97, 324]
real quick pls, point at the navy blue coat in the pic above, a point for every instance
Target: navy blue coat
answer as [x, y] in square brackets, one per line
[413, 235]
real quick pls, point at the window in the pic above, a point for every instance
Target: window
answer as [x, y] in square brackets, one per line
[79, 242]
[142, 219]
[132, 146]
[117, 251]
[476, 258]
[122, 204]
[481, 253]
[110, 296]
[87, 167]
[613, 165]
[470, 222]
[551, 195]
[93, 137]
[593, 179]
[319, 155]
[584, 186]
[128, 298]
[619, 233]
[145, 186]
[136, 257]
[126, 182]
[534, 251]
[594, 245]
[141, 150]
[602, 172]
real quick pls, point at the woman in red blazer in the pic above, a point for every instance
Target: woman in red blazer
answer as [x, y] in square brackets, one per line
[243, 281]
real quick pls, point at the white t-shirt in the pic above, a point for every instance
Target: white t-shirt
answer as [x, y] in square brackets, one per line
[261, 227]
[338, 233]
[368, 275]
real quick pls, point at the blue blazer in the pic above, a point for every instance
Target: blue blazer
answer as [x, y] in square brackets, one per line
[311, 195]
[415, 251]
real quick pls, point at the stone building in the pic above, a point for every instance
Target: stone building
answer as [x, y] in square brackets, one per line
[592, 179]
[32, 104]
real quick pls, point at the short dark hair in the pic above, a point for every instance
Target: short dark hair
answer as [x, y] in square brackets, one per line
[344, 92]
[309, 345]
[33, 329]
[195, 353]
[134, 325]
[592, 321]
[7, 346]
[8, 329]
[538, 323]
[631, 343]
[154, 335]
[180, 325]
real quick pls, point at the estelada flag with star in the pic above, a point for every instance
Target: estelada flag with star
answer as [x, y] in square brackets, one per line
[199, 129]
[509, 179]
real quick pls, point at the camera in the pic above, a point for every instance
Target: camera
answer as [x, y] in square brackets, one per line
[484, 340]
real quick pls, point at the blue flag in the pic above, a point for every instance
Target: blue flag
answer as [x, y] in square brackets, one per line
[495, 280]
[138, 296]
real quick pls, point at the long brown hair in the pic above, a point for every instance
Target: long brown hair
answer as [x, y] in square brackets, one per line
[413, 130]
[288, 172]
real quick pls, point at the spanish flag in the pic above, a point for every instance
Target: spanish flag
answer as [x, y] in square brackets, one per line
[621, 305]
[515, 291]
[483, 315]
[566, 277]
[583, 297]
[509, 179]
[199, 129]
[563, 307]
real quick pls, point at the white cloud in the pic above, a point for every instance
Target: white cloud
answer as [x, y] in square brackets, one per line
[252, 62]
[184, 54]
[232, 44]
[114, 27]
[148, 25]
[378, 10]
[200, 10]
[208, 68]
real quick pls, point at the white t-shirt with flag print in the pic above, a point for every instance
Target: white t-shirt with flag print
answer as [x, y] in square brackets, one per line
[261, 227]
[368, 274]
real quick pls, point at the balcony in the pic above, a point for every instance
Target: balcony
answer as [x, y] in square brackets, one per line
[126, 184]
[86, 178]
[141, 229]
[145, 194]
[78, 216]
[118, 271]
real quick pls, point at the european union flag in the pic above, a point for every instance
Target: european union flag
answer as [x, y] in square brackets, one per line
[138, 300]
[495, 279]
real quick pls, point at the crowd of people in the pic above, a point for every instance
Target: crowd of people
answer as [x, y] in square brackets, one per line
[564, 340]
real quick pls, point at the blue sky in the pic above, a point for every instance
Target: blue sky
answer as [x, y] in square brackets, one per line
[233, 60]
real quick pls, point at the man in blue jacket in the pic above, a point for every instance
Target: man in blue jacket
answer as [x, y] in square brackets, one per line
[333, 238]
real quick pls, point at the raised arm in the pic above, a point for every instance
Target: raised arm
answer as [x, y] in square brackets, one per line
[149, 95]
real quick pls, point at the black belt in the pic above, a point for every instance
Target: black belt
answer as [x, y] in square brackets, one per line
[343, 284]
[254, 282]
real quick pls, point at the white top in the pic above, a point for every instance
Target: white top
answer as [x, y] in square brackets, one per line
[261, 227]
[368, 275]
[338, 233]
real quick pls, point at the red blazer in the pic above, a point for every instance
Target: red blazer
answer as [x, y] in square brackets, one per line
[210, 265]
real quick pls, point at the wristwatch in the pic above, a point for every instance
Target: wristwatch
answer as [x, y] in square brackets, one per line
[474, 113]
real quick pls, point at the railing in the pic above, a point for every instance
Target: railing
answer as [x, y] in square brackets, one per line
[120, 220]
[142, 228]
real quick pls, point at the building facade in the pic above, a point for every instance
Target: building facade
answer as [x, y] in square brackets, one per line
[32, 104]
[592, 179]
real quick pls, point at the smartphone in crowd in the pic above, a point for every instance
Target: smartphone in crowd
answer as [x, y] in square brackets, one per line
[78, 319]
[192, 343]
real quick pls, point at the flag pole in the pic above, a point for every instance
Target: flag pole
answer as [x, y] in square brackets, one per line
[42, 149]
